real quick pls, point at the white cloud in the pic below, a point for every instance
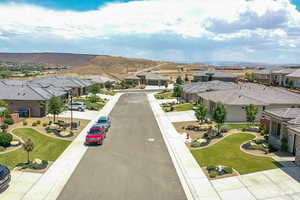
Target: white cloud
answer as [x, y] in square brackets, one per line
[266, 23]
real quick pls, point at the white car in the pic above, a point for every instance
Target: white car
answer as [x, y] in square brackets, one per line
[80, 106]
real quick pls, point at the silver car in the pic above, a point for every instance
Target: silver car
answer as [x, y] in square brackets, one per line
[80, 106]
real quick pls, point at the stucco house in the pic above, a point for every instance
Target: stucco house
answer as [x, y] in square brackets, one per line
[265, 75]
[280, 78]
[100, 80]
[190, 91]
[211, 75]
[236, 99]
[284, 123]
[78, 86]
[295, 77]
[28, 100]
[147, 78]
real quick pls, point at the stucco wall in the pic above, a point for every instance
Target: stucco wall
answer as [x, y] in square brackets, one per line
[297, 159]
[14, 105]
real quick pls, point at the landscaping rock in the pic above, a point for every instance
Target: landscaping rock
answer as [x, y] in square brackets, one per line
[15, 143]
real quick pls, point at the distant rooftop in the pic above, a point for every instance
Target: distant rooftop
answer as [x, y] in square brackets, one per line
[295, 74]
[249, 93]
[216, 74]
[208, 86]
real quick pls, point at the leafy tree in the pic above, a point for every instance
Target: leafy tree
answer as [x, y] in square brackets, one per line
[200, 112]
[290, 83]
[166, 84]
[94, 98]
[177, 91]
[94, 89]
[28, 146]
[179, 80]
[55, 106]
[251, 112]
[250, 76]
[219, 115]
[108, 84]
[186, 78]
[4, 113]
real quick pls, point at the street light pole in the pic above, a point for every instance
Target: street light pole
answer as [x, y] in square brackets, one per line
[71, 95]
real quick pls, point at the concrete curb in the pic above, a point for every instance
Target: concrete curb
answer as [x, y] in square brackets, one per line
[194, 182]
[50, 184]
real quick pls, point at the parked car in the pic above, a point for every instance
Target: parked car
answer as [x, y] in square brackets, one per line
[80, 106]
[96, 135]
[5, 176]
[105, 121]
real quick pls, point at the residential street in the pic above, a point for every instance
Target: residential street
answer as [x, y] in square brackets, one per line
[132, 164]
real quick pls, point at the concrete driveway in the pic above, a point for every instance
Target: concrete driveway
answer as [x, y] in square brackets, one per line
[132, 164]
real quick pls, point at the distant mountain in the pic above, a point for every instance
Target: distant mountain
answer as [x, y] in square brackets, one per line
[67, 59]
[234, 63]
[246, 64]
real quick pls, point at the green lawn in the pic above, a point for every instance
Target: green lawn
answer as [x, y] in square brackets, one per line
[166, 95]
[227, 152]
[89, 105]
[107, 92]
[238, 126]
[183, 107]
[45, 148]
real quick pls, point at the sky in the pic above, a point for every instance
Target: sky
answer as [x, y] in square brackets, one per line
[266, 31]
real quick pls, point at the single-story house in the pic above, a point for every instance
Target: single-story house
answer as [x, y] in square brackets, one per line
[28, 100]
[190, 91]
[211, 75]
[279, 77]
[100, 80]
[76, 85]
[147, 78]
[285, 123]
[265, 75]
[236, 99]
[295, 77]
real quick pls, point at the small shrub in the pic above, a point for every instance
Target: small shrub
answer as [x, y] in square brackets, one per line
[2, 148]
[48, 130]
[213, 174]
[45, 124]
[34, 124]
[211, 167]
[224, 129]
[38, 122]
[9, 121]
[227, 170]
[196, 144]
[4, 127]
[25, 123]
[50, 122]
[5, 139]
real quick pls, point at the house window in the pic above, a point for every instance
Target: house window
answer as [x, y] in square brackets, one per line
[264, 107]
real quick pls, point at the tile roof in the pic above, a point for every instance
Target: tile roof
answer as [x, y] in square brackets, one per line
[268, 71]
[284, 71]
[295, 74]
[208, 86]
[148, 76]
[216, 74]
[99, 79]
[286, 113]
[25, 92]
[248, 93]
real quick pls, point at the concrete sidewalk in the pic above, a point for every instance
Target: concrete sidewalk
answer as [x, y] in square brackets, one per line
[183, 116]
[193, 180]
[275, 184]
[21, 182]
[52, 182]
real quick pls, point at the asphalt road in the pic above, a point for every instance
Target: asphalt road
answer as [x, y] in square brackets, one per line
[132, 164]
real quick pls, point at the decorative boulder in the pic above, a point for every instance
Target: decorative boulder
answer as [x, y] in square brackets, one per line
[15, 143]
[202, 140]
[37, 161]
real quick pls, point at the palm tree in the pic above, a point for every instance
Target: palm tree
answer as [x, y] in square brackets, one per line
[28, 147]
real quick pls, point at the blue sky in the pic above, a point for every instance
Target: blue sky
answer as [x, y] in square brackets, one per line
[184, 31]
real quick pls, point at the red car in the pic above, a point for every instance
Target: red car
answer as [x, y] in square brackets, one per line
[96, 135]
